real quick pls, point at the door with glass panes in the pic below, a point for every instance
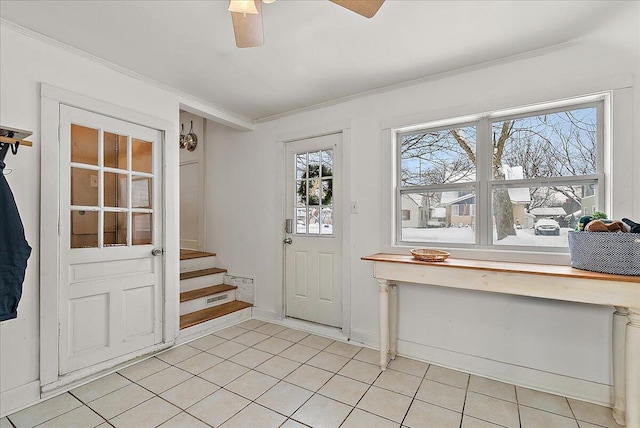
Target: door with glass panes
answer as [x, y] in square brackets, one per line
[111, 278]
[313, 245]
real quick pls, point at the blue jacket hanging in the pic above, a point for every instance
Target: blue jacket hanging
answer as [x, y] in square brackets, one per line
[14, 252]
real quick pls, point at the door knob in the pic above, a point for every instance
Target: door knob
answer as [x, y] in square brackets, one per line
[288, 241]
[156, 252]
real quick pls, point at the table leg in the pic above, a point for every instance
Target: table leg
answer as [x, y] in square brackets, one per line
[632, 368]
[393, 320]
[620, 320]
[383, 296]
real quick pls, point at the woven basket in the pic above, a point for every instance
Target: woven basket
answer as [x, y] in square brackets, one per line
[429, 255]
[617, 253]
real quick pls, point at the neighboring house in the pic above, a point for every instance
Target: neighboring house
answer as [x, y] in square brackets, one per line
[460, 205]
[415, 209]
[556, 213]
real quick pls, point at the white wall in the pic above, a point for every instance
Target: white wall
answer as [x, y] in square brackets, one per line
[245, 201]
[557, 346]
[26, 61]
[192, 185]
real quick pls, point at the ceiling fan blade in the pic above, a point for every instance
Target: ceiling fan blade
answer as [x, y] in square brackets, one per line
[366, 8]
[248, 28]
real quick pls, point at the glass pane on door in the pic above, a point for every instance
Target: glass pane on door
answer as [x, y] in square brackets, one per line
[115, 151]
[115, 229]
[115, 190]
[84, 145]
[142, 228]
[141, 156]
[314, 192]
[112, 192]
[84, 229]
[84, 187]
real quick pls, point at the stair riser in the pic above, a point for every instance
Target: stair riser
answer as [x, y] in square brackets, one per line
[201, 303]
[199, 263]
[201, 282]
[213, 325]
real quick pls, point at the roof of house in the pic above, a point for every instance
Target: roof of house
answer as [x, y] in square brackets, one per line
[548, 211]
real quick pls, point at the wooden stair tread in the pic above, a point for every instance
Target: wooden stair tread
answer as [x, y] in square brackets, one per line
[206, 291]
[189, 320]
[193, 254]
[203, 272]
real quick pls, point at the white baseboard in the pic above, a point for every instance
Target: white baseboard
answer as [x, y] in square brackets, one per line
[367, 338]
[18, 398]
[540, 380]
[263, 314]
[308, 326]
[527, 377]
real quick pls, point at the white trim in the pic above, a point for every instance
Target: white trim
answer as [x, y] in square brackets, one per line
[73, 379]
[513, 374]
[200, 106]
[296, 324]
[51, 99]
[539, 380]
[617, 90]
[431, 78]
[346, 232]
[19, 398]
[344, 128]
[512, 101]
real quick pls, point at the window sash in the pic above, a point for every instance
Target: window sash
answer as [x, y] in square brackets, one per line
[485, 184]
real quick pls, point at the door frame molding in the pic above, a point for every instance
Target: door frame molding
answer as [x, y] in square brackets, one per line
[51, 98]
[343, 127]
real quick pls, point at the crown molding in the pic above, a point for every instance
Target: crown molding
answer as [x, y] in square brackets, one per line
[429, 78]
[212, 111]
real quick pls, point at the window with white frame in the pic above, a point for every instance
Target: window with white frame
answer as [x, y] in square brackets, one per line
[487, 182]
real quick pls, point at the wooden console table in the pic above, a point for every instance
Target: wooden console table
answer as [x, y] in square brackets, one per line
[522, 279]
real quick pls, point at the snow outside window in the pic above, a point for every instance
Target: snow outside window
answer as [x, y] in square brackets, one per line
[487, 183]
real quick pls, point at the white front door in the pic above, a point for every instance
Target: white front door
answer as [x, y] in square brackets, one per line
[111, 285]
[313, 258]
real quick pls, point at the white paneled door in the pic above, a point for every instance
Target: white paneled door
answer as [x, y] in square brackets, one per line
[313, 242]
[111, 277]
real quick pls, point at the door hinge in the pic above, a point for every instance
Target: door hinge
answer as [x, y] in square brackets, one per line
[59, 135]
[59, 232]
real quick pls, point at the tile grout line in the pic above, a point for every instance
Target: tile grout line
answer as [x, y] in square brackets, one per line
[278, 379]
[464, 403]
[87, 405]
[251, 369]
[415, 394]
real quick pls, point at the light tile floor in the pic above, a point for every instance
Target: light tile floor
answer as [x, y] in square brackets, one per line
[261, 375]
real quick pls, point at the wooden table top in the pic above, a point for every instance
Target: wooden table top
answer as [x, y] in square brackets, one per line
[510, 267]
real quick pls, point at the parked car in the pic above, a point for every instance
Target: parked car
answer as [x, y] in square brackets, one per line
[546, 226]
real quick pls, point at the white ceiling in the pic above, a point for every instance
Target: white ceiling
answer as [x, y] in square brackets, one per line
[314, 52]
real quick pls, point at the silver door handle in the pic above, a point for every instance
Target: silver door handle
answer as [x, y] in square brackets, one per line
[157, 252]
[288, 241]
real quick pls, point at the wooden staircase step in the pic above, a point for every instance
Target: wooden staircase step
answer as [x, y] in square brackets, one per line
[198, 273]
[206, 291]
[194, 318]
[192, 254]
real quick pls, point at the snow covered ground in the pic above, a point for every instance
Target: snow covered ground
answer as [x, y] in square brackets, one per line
[466, 235]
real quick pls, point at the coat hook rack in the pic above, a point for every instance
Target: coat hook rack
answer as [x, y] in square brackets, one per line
[11, 138]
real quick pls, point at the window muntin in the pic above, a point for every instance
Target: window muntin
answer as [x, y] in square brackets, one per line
[110, 190]
[314, 193]
[545, 159]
